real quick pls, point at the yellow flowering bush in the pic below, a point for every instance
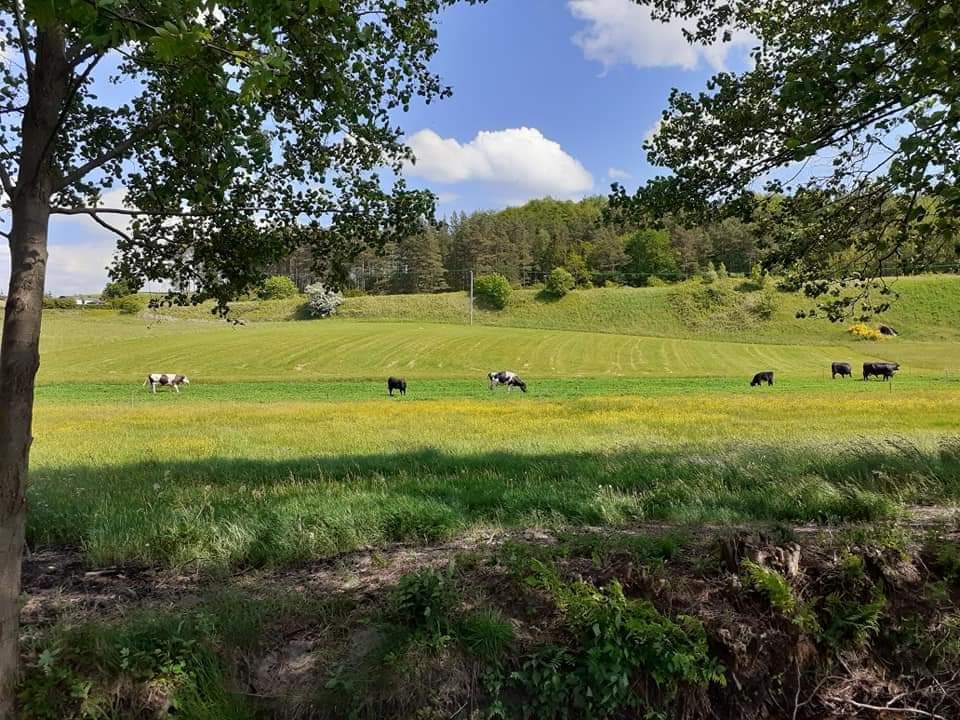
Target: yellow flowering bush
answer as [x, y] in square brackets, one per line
[865, 332]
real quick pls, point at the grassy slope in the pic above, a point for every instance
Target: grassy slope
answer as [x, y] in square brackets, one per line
[100, 346]
[926, 310]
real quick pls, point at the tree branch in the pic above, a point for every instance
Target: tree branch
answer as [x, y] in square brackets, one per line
[72, 93]
[100, 221]
[24, 41]
[115, 152]
[165, 213]
[6, 181]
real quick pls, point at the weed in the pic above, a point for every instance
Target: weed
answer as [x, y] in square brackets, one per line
[617, 645]
[487, 634]
[779, 593]
[850, 623]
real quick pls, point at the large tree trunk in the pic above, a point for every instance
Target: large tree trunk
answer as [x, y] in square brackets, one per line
[20, 344]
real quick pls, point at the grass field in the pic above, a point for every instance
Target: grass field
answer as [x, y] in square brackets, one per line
[285, 447]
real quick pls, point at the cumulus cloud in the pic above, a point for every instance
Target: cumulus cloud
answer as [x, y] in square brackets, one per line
[519, 159]
[618, 174]
[620, 31]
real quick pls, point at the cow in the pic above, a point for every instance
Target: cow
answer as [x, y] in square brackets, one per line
[395, 383]
[887, 330]
[843, 369]
[886, 370]
[162, 379]
[761, 377]
[505, 377]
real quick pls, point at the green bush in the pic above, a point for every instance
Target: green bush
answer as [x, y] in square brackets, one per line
[62, 303]
[709, 274]
[559, 282]
[129, 304]
[492, 291]
[277, 287]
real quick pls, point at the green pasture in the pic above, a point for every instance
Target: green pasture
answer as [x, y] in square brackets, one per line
[284, 447]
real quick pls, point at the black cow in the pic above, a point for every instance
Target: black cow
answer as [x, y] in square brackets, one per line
[505, 377]
[887, 330]
[395, 383]
[842, 369]
[886, 370]
[761, 377]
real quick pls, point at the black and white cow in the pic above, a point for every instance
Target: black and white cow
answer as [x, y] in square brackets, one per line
[761, 377]
[505, 377]
[163, 379]
[395, 383]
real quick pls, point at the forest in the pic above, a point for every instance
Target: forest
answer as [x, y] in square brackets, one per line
[524, 243]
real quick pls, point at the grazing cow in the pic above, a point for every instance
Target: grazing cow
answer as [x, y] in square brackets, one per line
[762, 377]
[505, 377]
[842, 369]
[887, 330]
[886, 370]
[395, 383]
[162, 379]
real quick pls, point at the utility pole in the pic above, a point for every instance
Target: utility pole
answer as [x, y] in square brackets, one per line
[471, 297]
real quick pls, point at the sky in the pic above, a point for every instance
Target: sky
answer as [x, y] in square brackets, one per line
[551, 98]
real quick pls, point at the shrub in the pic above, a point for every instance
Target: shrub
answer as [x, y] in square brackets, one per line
[129, 304]
[758, 276]
[116, 290]
[322, 301]
[559, 282]
[722, 271]
[654, 281]
[277, 287]
[762, 306]
[354, 292]
[865, 332]
[709, 274]
[64, 303]
[492, 291]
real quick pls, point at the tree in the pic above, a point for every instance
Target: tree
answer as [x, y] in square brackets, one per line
[869, 86]
[114, 290]
[650, 254]
[249, 121]
[607, 254]
[419, 262]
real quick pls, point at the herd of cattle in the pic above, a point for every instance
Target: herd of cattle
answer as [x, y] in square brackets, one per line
[885, 370]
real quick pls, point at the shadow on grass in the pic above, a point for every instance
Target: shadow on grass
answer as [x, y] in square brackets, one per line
[227, 512]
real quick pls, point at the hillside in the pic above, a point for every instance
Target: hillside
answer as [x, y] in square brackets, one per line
[926, 310]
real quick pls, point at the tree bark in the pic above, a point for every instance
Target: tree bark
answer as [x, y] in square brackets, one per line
[20, 343]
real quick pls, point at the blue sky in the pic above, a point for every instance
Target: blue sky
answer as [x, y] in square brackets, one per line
[551, 97]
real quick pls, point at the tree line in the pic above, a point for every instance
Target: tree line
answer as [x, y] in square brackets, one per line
[525, 243]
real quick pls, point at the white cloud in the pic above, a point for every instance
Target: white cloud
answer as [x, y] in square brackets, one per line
[519, 159]
[618, 174]
[620, 31]
[78, 251]
[445, 198]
